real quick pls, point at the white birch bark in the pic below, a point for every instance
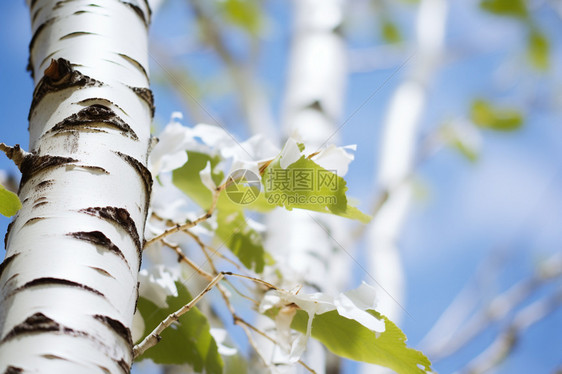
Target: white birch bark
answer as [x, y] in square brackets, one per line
[397, 158]
[301, 240]
[69, 280]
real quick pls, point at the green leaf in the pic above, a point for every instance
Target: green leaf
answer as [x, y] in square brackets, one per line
[306, 185]
[187, 341]
[245, 14]
[509, 8]
[348, 338]
[188, 180]
[238, 236]
[538, 50]
[390, 32]
[9, 202]
[483, 114]
[232, 228]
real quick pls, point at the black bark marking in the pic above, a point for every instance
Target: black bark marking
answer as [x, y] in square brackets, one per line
[149, 10]
[124, 366]
[48, 57]
[146, 95]
[39, 323]
[98, 238]
[80, 12]
[121, 330]
[101, 271]
[35, 14]
[75, 34]
[34, 219]
[50, 356]
[10, 225]
[143, 173]
[40, 204]
[138, 295]
[38, 31]
[59, 4]
[58, 76]
[104, 369]
[44, 184]
[7, 262]
[57, 281]
[12, 369]
[33, 165]
[93, 169]
[135, 63]
[43, 198]
[120, 217]
[90, 118]
[100, 100]
[138, 11]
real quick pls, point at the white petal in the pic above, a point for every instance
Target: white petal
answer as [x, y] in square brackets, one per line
[220, 336]
[157, 283]
[206, 177]
[290, 154]
[353, 305]
[335, 158]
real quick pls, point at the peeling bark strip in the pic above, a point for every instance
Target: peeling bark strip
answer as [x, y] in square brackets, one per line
[137, 64]
[139, 12]
[49, 280]
[116, 326]
[142, 171]
[119, 216]
[100, 99]
[59, 76]
[90, 118]
[146, 95]
[7, 262]
[76, 33]
[10, 225]
[33, 165]
[40, 323]
[98, 238]
[124, 365]
[38, 31]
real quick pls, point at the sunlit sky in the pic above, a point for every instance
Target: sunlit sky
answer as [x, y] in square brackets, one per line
[508, 202]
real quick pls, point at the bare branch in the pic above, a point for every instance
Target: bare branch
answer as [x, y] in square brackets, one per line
[503, 345]
[190, 224]
[154, 337]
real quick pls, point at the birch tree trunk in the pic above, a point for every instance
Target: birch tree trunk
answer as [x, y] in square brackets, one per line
[301, 240]
[397, 157]
[69, 280]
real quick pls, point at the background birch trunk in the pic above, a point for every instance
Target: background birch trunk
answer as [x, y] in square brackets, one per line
[301, 240]
[397, 159]
[69, 280]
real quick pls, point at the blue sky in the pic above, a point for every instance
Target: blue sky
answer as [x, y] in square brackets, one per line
[509, 201]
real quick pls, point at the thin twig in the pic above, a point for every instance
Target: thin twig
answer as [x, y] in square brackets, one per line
[246, 325]
[257, 280]
[498, 308]
[154, 337]
[182, 257]
[503, 345]
[202, 246]
[189, 224]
